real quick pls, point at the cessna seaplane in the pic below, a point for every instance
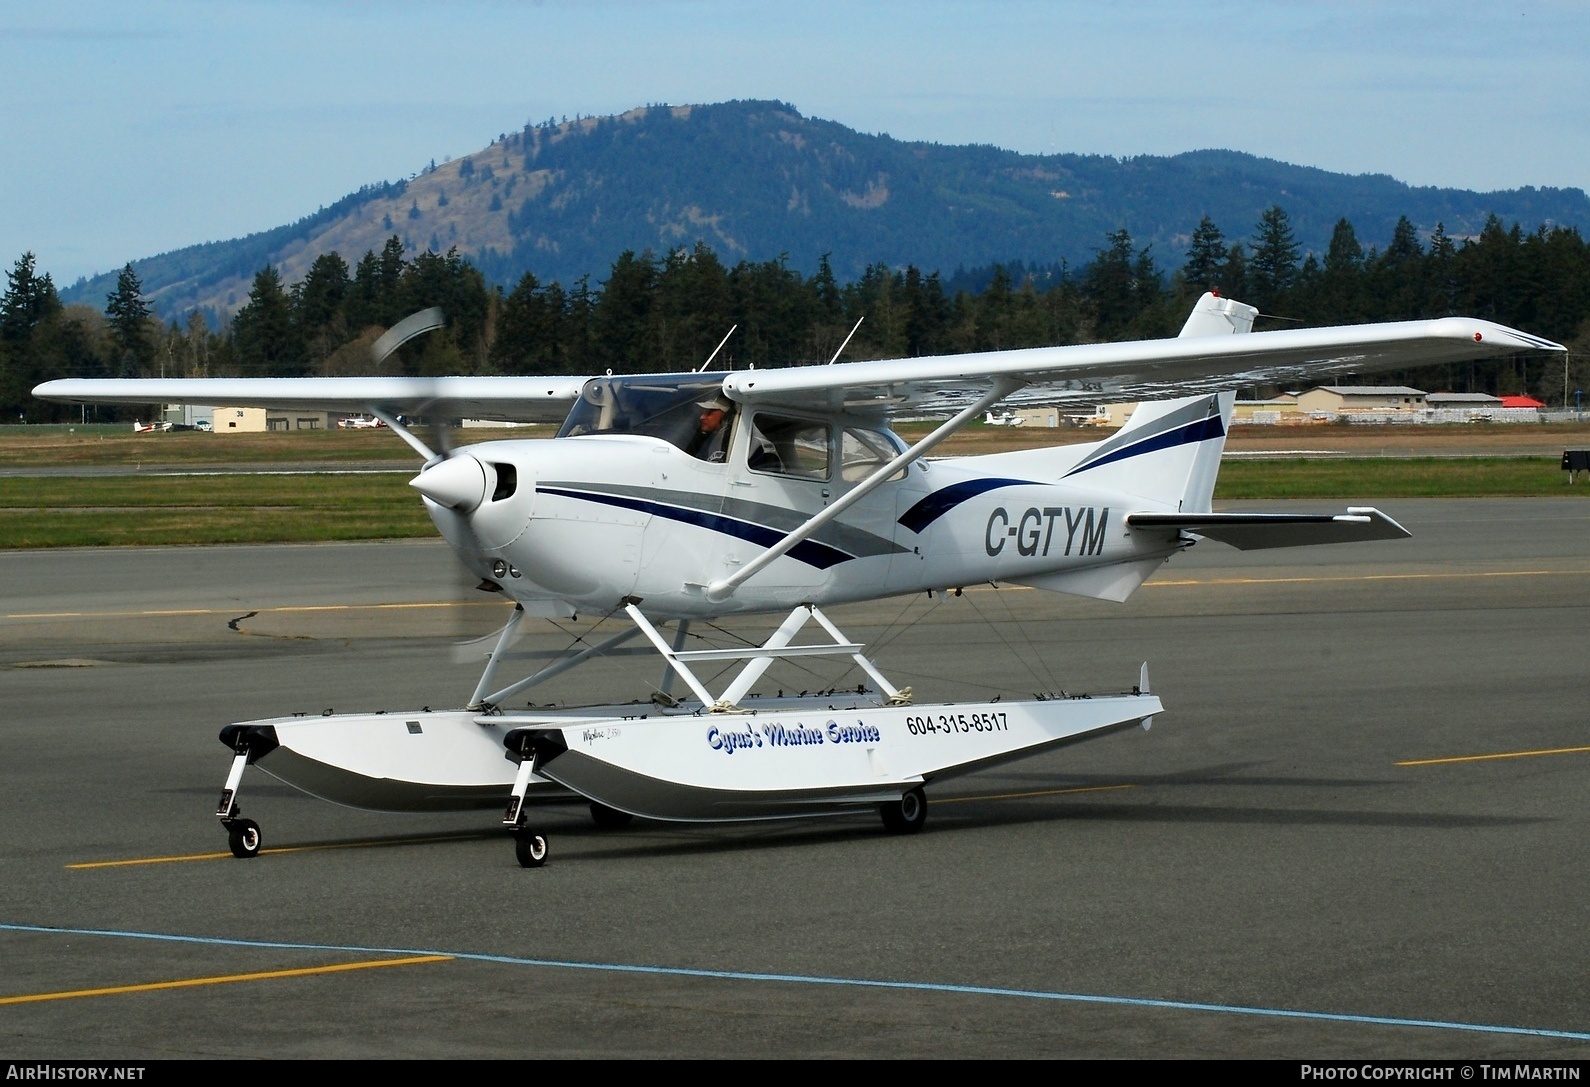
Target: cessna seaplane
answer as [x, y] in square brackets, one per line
[673, 499]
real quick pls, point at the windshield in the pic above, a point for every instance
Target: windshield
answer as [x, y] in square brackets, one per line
[678, 408]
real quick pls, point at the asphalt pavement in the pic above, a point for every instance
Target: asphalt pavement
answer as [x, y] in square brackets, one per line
[1284, 866]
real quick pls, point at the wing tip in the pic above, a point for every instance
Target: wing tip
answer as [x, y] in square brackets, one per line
[1490, 332]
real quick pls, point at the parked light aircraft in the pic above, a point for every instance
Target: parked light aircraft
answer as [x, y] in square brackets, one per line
[670, 499]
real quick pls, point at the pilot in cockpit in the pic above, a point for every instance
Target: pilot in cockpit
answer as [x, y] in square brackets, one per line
[711, 441]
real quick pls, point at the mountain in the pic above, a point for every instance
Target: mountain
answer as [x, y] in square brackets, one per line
[754, 180]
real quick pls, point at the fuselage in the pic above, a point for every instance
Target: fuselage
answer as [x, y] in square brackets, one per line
[591, 520]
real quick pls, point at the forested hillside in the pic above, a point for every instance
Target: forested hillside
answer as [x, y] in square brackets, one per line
[756, 181]
[658, 313]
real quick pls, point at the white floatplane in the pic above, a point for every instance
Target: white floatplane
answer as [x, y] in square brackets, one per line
[672, 499]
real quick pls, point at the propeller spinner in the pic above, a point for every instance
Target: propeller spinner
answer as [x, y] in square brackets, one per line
[457, 482]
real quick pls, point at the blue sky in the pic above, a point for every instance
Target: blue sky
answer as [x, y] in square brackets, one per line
[131, 129]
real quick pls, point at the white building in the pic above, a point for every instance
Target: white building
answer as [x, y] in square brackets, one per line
[1344, 399]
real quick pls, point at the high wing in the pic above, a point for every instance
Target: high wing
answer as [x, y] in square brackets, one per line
[1133, 371]
[515, 399]
[1093, 373]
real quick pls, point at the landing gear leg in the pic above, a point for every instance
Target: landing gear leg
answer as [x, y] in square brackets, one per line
[906, 815]
[242, 835]
[530, 846]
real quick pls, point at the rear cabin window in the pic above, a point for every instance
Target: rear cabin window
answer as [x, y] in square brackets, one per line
[862, 452]
[784, 446]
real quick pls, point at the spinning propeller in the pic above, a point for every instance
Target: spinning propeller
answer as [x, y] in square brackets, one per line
[457, 482]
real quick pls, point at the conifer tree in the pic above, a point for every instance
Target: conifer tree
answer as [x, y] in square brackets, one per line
[1397, 276]
[826, 291]
[1273, 266]
[623, 313]
[528, 328]
[129, 322]
[263, 329]
[1110, 284]
[994, 311]
[318, 297]
[1234, 273]
[1206, 256]
[925, 311]
[29, 300]
[1441, 284]
[1345, 255]
[1337, 295]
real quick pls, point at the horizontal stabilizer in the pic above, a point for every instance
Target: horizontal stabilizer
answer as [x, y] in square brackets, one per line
[1256, 531]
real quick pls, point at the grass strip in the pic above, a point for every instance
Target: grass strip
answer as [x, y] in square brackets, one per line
[143, 510]
[94, 512]
[70, 447]
[1421, 477]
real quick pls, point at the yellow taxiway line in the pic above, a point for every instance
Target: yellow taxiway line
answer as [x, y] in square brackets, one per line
[1356, 577]
[224, 979]
[282, 849]
[1499, 755]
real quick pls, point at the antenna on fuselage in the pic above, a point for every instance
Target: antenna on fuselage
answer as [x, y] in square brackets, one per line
[846, 344]
[718, 348]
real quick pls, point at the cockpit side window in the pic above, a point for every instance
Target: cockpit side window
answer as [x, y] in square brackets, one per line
[784, 446]
[688, 411]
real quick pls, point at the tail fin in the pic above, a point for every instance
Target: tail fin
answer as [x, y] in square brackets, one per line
[1168, 453]
[1169, 450]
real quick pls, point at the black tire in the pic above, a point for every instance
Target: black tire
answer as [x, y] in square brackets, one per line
[531, 848]
[609, 818]
[244, 837]
[906, 815]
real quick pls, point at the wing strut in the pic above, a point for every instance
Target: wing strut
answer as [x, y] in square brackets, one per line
[1003, 387]
[406, 434]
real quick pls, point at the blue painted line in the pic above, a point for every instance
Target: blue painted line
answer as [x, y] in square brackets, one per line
[810, 979]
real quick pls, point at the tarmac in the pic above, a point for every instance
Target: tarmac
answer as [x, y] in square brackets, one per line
[1360, 829]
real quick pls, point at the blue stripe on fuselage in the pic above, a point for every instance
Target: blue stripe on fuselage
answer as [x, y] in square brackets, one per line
[1199, 431]
[937, 504]
[810, 552]
[940, 502]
